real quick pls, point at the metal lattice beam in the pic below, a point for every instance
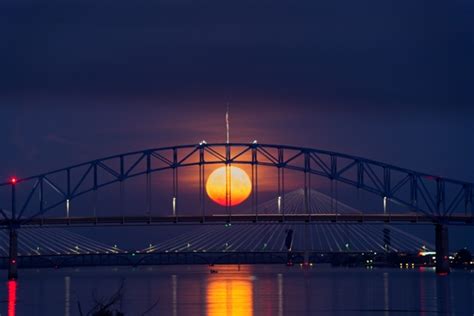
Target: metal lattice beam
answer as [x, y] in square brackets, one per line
[419, 192]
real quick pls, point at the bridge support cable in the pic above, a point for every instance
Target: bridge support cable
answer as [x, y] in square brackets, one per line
[307, 185]
[41, 197]
[148, 186]
[184, 237]
[283, 201]
[13, 240]
[175, 184]
[468, 200]
[94, 190]
[326, 236]
[306, 249]
[228, 183]
[442, 249]
[148, 195]
[333, 233]
[248, 236]
[229, 196]
[339, 237]
[202, 177]
[405, 241]
[94, 203]
[280, 192]
[254, 164]
[122, 199]
[68, 192]
[201, 239]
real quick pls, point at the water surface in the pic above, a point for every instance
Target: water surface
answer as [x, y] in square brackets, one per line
[242, 290]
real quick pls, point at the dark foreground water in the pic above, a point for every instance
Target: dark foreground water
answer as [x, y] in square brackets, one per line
[244, 290]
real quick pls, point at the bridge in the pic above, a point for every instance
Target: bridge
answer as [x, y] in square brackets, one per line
[391, 194]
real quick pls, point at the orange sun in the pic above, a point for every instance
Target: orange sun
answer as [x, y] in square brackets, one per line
[240, 185]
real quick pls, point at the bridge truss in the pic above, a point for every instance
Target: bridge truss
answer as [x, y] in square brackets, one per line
[419, 197]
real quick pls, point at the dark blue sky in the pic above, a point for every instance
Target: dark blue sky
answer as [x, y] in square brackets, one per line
[390, 53]
[388, 80]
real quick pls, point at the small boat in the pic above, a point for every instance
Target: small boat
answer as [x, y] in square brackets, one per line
[213, 271]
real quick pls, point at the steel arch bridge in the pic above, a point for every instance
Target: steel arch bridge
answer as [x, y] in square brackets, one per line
[419, 197]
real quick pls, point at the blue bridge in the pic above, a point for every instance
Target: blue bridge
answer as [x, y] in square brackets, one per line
[379, 193]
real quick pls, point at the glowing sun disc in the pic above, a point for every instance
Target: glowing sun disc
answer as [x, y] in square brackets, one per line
[240, 185]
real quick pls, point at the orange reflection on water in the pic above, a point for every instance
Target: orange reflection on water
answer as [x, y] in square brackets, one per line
[230, 295]
[11, 297]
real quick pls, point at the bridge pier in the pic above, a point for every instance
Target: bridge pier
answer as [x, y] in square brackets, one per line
[442, 249]
[13, 255]
[306, 240]
[387, 241]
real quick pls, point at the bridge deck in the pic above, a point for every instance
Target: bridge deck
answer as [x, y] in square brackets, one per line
[245, 218]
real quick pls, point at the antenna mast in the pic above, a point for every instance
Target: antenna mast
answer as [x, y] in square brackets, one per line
[227, 122]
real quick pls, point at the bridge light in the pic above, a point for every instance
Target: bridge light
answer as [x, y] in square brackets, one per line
[67, 208]
[13, 261]
[174, 205]
[254, 142]
[13, 180]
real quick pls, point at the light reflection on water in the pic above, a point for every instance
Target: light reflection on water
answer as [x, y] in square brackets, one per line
[241, 291]
[229, 296]
[12, 286]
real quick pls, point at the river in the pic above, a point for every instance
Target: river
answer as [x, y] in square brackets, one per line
[241, 290]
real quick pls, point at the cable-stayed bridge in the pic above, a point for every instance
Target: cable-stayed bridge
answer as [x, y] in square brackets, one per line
[43, 241]
[322, 237]
[391, 194]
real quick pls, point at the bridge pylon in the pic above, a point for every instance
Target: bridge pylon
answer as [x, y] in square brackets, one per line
[13, 255]
[442, 249]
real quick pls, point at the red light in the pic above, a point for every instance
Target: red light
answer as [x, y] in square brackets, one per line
[12, 298]
[13, 180]
[13, 261]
